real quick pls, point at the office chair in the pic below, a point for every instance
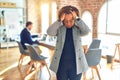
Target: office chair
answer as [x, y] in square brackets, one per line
[93, 55]
[95, 44]
[36, 59]
[23, 52]
[93, 58]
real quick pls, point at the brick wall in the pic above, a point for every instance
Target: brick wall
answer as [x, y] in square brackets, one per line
[33, 11]
[93, 6]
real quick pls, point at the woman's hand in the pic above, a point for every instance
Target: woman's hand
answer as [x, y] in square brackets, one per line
[74, 14]
[62, 17]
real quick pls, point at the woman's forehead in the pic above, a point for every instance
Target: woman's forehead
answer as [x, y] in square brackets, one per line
[68, 16]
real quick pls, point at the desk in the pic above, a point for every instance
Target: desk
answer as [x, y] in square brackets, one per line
[51, 45]
[116, 48]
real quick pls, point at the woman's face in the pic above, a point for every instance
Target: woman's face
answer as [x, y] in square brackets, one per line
[68, 20]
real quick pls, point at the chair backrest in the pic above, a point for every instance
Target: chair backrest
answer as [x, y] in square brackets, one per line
[34, 55]
[22, 51]
[93, 57]
[95, 44]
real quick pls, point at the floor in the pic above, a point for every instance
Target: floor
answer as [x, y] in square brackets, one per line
[9, 68]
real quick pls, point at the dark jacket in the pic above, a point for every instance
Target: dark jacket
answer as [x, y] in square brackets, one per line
[26, 38]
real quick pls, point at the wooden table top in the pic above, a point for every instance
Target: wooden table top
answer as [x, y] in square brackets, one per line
[51, 45]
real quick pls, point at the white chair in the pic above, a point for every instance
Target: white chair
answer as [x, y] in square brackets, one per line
[36, 58]
[95, 44]
[23, 52]
[93, 56]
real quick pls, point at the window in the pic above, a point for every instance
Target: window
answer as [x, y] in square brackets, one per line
[108, 20]
[45, 13]
[87, 18]
[45, 17]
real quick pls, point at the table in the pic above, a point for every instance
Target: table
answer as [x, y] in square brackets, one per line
[117, 48]
[51, 45]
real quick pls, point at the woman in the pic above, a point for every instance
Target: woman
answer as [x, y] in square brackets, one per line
[69, 60]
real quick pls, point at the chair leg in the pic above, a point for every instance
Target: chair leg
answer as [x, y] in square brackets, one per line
[92, 73]
[20, 60]
[112, 64]
[99, 65]
[97, 72]
[48, 71]
[116, 48]
[30, 66]
[38, 70]
[45, 64]
[84, 76]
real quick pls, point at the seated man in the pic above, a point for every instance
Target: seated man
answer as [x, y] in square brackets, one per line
[26, 36]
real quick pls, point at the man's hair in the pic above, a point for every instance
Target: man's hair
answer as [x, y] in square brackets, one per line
[67, 10]
[28, 23]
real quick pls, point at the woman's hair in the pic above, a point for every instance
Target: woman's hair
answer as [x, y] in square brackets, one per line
[67, 10]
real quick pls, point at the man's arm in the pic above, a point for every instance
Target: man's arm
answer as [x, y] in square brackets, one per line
[29, 38]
